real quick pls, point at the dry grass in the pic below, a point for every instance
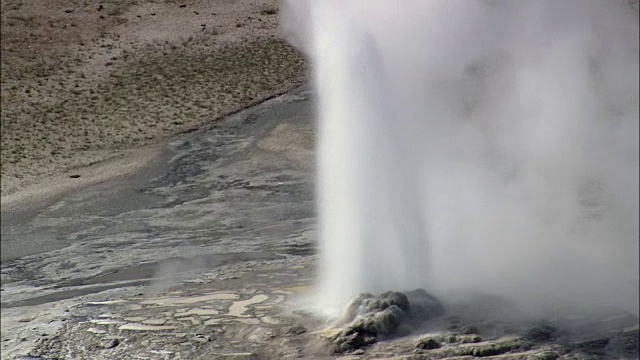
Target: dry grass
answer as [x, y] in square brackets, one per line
[85, 87]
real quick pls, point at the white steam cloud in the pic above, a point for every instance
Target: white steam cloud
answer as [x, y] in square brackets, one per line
[476, 145]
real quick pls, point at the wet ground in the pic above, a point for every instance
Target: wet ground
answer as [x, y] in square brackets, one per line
[234, 195]
[209, 253]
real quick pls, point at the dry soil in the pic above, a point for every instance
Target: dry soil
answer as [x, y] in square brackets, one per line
[86, 81]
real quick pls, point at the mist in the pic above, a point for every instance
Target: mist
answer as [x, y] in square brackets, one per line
[476, 146]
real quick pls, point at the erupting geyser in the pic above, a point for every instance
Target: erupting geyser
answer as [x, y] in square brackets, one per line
[368, 210]
[476, 145]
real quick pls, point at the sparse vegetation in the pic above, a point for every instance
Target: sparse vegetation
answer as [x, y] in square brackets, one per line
[77, 93]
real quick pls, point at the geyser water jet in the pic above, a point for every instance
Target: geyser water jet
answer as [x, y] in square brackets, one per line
[476, 146]
[368, 213]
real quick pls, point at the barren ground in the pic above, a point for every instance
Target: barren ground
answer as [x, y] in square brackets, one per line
[84, 81]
